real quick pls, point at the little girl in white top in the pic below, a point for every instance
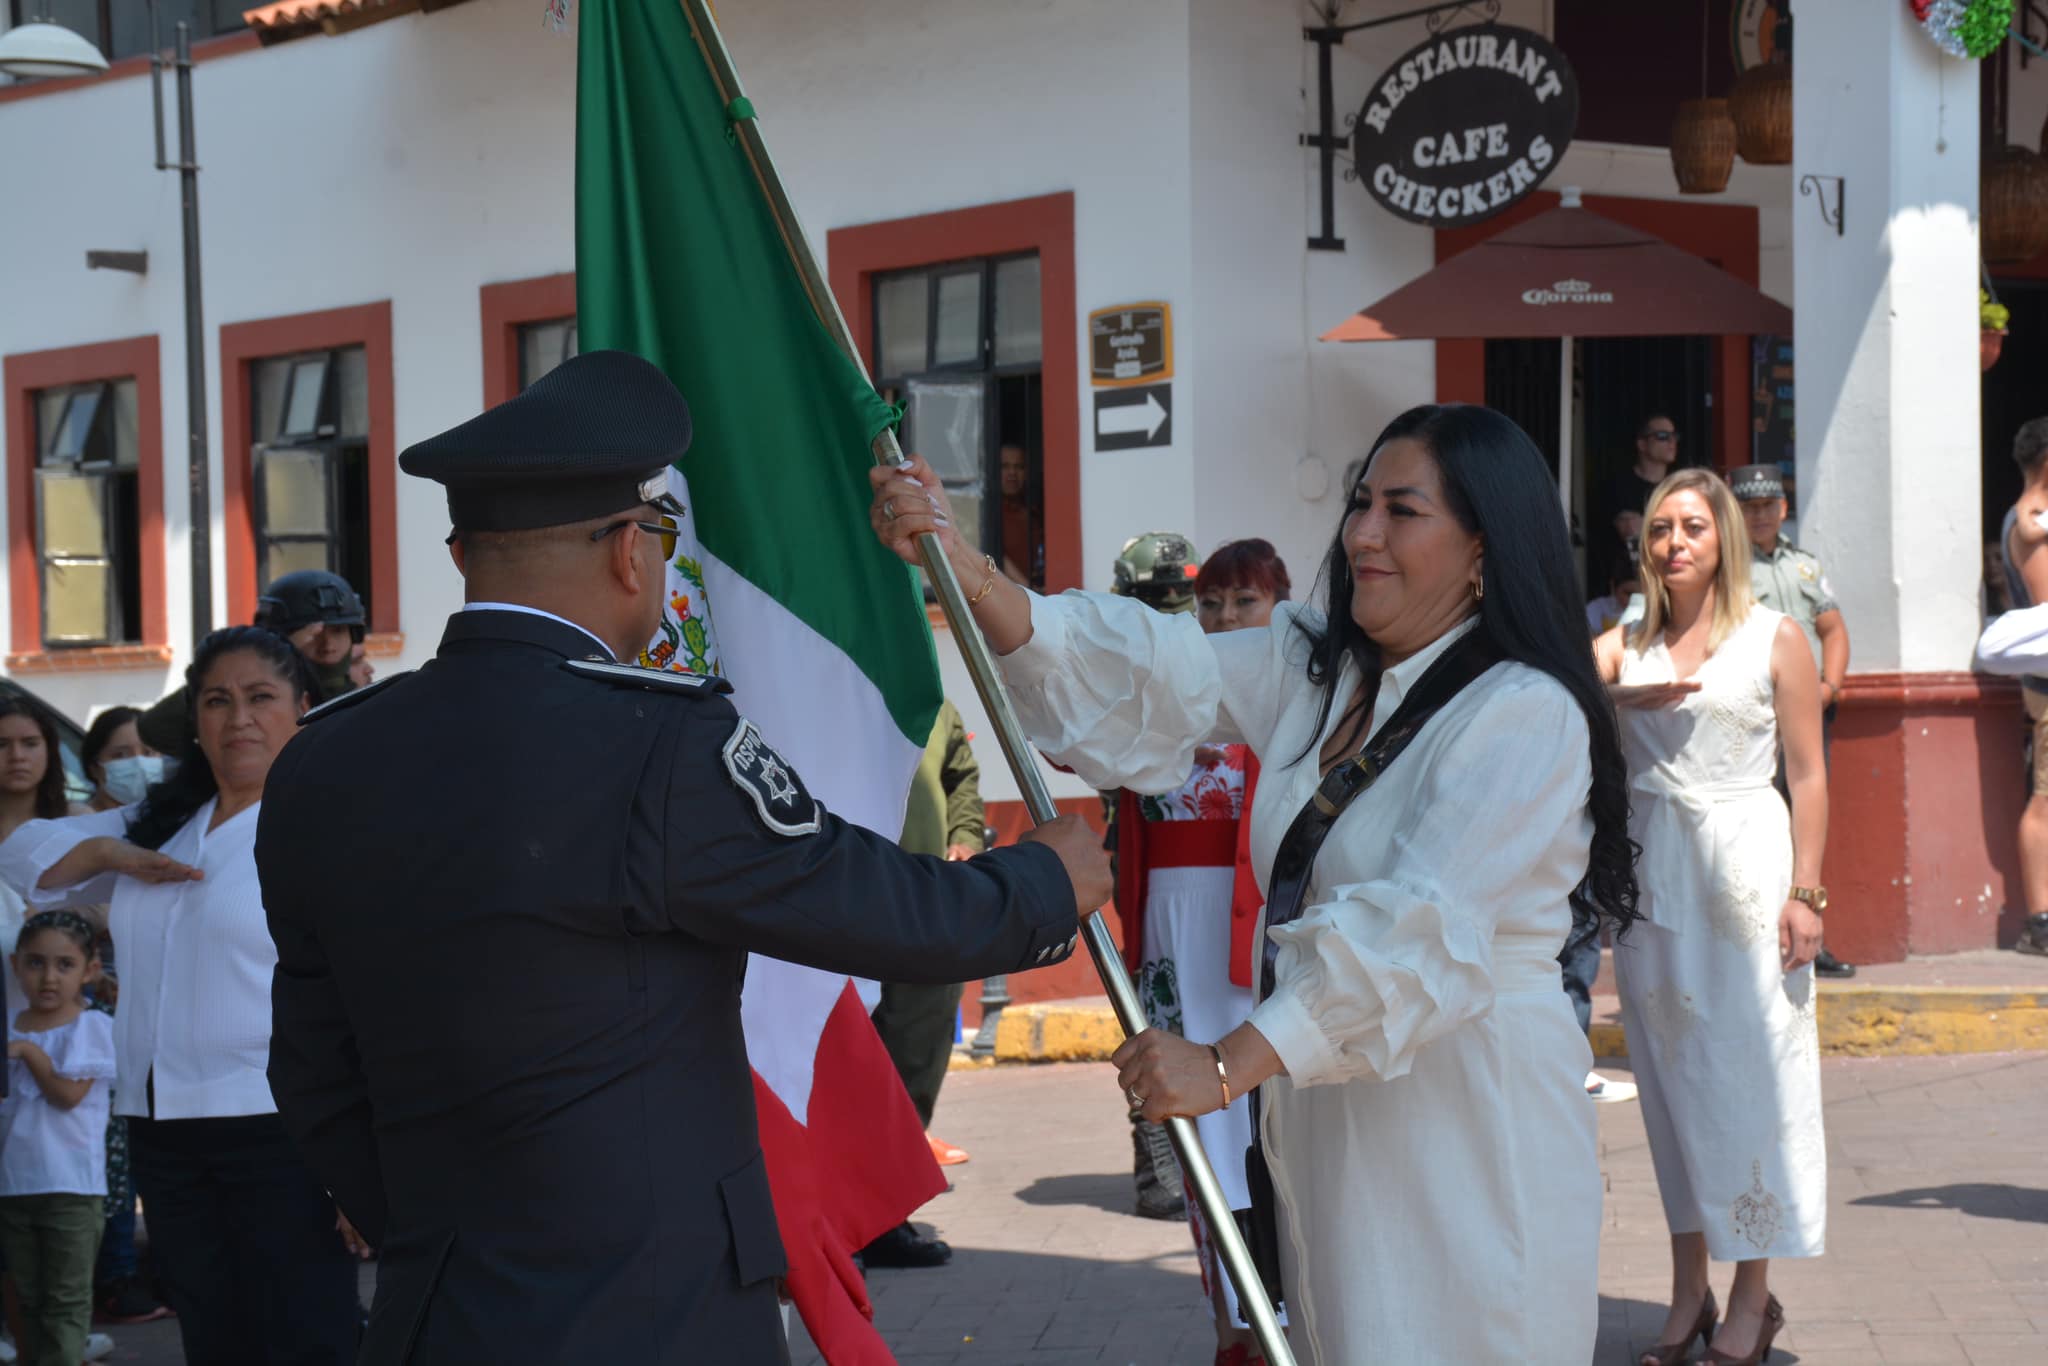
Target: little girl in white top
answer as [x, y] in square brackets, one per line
[53, 1125]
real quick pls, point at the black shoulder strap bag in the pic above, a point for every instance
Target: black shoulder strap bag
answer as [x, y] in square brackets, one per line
[1295, 860]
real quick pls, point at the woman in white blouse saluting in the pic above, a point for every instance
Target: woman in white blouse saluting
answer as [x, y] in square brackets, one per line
[1423, 1075]
[245, 1239]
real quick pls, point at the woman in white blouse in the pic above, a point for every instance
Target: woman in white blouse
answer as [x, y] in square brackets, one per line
[1424, 1106]
[245, 1240]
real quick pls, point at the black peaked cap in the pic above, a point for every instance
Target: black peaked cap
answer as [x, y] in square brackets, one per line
[1757, 481]
[591, 437]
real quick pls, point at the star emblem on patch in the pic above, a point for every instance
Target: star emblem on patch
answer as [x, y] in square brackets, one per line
[778, 795]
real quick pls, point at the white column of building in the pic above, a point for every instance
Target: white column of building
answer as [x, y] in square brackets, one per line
[1885, 329]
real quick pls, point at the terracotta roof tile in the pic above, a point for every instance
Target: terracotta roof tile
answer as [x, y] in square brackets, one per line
[300, 18]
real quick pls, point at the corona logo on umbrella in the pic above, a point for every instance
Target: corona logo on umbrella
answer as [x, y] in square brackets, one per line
[1567, 292]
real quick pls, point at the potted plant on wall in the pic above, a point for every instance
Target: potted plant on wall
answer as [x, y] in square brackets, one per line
[1992, 317]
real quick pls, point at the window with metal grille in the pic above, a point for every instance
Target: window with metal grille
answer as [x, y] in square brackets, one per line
[543, 346]
[959, 345]
[88, 542]
[312, 423]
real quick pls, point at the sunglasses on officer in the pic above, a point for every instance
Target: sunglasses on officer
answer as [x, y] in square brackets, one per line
[666, 527]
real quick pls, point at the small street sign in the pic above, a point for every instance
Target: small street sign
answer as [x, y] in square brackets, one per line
[1130, 344]
[1130, 419]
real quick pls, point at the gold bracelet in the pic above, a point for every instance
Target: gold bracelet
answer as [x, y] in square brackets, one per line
[989, 586]
[1221, 1074]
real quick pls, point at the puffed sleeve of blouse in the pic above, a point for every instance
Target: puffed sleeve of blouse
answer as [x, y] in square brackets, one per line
[1364, 980]
[33, 849]
[1122, 694]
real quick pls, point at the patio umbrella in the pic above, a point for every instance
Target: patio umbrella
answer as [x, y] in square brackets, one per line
[1568, 273]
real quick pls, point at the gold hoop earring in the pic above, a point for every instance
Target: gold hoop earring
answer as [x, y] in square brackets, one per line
[1479, 590]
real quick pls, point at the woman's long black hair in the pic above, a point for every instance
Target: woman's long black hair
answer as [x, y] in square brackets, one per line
[50, 799]
[177, 799]
[1499, 488]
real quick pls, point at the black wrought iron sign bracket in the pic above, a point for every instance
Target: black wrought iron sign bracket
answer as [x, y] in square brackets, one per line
[1327, 140]
[1818, 186]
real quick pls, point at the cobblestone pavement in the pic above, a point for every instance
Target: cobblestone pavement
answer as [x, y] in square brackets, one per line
[1938, 1229]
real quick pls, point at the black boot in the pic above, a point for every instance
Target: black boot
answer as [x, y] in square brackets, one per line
[2034, 935]
[1157, 1172]
[1825, 964]
[904, 1246]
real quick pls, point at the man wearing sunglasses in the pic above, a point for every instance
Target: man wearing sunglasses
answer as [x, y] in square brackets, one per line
[555, 1149]
[1618, 514]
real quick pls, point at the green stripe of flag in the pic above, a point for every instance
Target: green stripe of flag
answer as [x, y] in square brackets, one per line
[678, 259]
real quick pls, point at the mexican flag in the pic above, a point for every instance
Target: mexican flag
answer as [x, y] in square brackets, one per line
[822, 632]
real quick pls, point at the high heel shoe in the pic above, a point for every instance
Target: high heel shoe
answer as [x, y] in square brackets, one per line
[1674, 1353]
[1774, 1319]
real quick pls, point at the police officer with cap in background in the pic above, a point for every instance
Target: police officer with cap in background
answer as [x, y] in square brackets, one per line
[1789, 580]
[319, 613]
[554, 1147]
[1159, 570]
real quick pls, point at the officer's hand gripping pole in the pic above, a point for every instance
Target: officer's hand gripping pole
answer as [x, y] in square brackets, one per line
[995, 699]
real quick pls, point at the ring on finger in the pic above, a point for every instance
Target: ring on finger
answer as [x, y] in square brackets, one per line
[888, 509]
[1137, 1101]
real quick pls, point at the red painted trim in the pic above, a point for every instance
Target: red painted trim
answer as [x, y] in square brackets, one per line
[31, 371]
[204, 50]
[90, 659]
[1725, 234]
[1044, 225]
[366, 325]
[1962, 690]
[505, 309]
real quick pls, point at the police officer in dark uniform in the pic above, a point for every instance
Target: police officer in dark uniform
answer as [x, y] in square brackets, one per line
[318, 612]
[506, 1018]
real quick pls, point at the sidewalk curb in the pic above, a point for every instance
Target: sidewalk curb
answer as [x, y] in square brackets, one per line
[1855, 1022]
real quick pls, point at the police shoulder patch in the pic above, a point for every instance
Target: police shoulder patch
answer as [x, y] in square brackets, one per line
[659, 680]
[765, 777]
[350, 699]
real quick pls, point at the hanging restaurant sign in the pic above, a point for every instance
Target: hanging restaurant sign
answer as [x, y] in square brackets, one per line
[1466, 124]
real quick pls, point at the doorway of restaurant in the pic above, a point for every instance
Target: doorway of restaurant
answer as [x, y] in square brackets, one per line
[1621, 382]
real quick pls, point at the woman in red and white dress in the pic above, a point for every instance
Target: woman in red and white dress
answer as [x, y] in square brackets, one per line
[1188, 940]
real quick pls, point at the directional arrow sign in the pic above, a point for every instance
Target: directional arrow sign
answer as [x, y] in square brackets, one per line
[1129, 419]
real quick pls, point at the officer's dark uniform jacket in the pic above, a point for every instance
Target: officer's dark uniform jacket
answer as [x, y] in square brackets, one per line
[512, 906]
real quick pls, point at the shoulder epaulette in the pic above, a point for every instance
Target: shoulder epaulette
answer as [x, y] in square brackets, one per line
[658, 680]
[350, 698]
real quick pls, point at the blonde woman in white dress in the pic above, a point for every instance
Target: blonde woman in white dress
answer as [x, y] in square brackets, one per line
[1717, 986]
[1422, 1075]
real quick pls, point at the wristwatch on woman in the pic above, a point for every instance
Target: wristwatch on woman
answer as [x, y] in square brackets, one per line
[1816, 897]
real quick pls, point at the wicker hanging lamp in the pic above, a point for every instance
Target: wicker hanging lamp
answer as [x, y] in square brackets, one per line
[1761, 106]
[2012, 205]
[1702, 135]
[1702, 146]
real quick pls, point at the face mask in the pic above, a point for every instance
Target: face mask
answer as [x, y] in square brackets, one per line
[128, 779]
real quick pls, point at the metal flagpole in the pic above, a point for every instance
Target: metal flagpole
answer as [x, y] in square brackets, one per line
[995, 699]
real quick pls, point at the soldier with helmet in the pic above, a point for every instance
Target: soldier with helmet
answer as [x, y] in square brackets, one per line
[323, 618]
[1158, 569]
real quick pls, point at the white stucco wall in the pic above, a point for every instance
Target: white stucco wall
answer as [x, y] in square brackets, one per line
[1888, 375]
[418, 159]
